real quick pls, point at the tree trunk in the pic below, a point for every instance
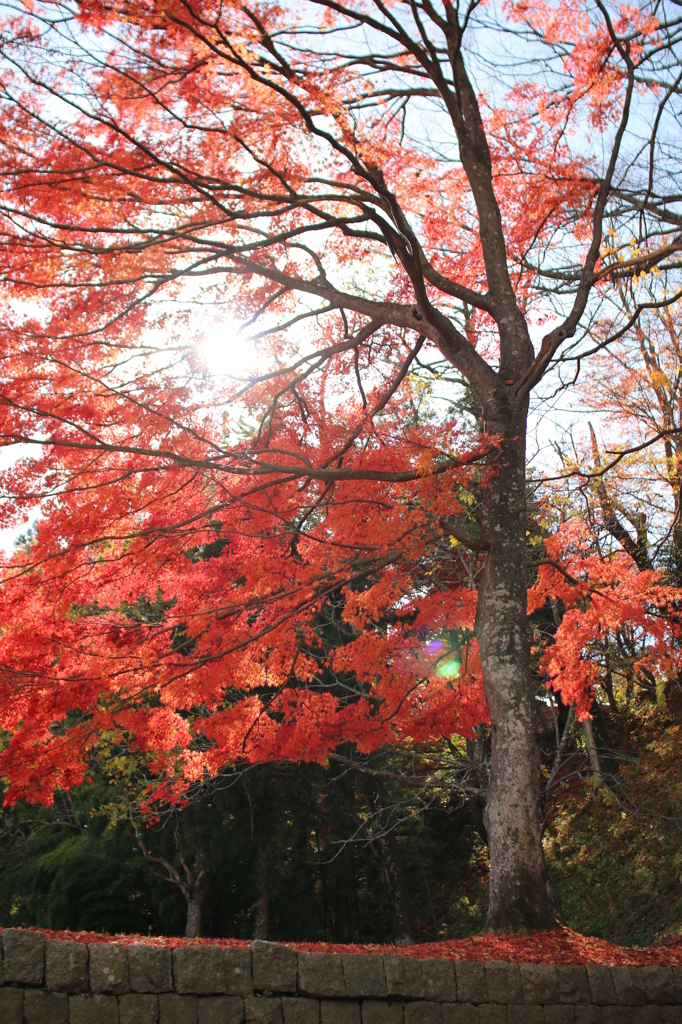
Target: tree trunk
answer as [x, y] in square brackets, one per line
[261, 928]
[608, 686]
[195, 894]
[194, 922]
[477, 801]
[340, 919]
[394, 883]
[553, 895]
[518, 897]
[593, 754]
[262, 906]
[385, 849]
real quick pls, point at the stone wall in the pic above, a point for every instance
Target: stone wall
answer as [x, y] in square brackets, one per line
[56, 982]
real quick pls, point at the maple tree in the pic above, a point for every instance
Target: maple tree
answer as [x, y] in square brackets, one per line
[346, 179]
[623, 492]
[637, 386]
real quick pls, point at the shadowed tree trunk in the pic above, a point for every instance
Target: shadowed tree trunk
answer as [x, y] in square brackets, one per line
[385, 850]
[195, 894]
[195, 884]
[341, 930]
[477, 748]
[262, 905]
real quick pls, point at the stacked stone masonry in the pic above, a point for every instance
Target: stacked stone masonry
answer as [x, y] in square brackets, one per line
[57, 982]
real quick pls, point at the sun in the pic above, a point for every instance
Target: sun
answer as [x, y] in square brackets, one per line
[230, 352]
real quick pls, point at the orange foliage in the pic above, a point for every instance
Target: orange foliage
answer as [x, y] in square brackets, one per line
[176, 593]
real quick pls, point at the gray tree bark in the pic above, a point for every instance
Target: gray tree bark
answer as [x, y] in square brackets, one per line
[518, 896]
[194, 892]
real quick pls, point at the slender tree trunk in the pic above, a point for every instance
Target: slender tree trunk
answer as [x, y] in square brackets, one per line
[262, 907]
[195, 894]
[340, 920]
[676, 551]
[553, 895]
[518, 897]
[593, 754]
[477, 801]
[608, 686]
[394, 884]
[193, 888]
[385, 849]
[194, 921]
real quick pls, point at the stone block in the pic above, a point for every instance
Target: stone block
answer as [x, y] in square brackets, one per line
[11, 1005]
[97, 1009]
[42, 1007]
[646, 1015]
[671, 1014]
[174, 1009]
[378, 1011]
[423, 1012]
[438, 977]
[221, 1009]
[525, 1014]
[587, 1014]
[321, 974]
[263, 1009]
[238, 972]
[134, 1008]
[108, 967]
[616, 1014]
[459, 1013]
[601, 985]
[658, 983]
[559, 1013]
[492, 1013]
[149, 968]
[300, 1011]
[23, 954]
[403, 976]
[540, 983]
[364, 975]
[199, 970]
[274, 967]
[342, 1012]
[677, 980]
[629, 989]
[66, 966]
[471, 987]
[573, 984]
[503, 982]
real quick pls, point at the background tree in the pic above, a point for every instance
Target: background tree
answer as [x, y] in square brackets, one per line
[74, 865]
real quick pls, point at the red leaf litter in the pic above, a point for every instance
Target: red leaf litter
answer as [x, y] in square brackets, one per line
[562, 946]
